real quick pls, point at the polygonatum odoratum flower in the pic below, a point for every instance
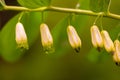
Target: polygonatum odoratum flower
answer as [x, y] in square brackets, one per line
[20, 36]
[116, 55]
[74, 39]
[96, 37]
[108, 43]
[46, 38]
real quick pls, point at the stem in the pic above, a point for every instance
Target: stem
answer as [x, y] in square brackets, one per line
[97, 18]
[2, 2]
[101, 22]
[108, 10]
[20, 16]
[64, 10]
[42, 17]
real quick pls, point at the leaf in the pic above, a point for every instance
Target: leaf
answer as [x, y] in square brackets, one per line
[1, 7]
[60, 37]
[31, 22]
[99, 5]
[84, 4]
[1, 4]
[115, 31]
[34, 3]
[95, 56]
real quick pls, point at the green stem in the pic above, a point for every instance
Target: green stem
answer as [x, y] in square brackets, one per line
[64, 10]
[108, 10]
[97, 18]
[2, 2]
[20, 16]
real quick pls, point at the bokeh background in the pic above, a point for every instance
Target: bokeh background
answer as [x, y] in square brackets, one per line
[68, 65]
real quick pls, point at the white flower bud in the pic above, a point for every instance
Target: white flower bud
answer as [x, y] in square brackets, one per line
[21, 37]
[96, 37]
[108, 43]
[116, 55]
[46, 38]
[74, 39]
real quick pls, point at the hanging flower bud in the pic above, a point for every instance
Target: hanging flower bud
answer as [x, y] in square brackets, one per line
[21, 37]
[74, 39]
[46, 38]
[116, 55]
[108, 43]
[96, 37]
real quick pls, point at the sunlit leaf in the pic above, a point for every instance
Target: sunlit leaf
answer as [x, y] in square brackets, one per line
[34, 3]
[31, 22]
[99, 5]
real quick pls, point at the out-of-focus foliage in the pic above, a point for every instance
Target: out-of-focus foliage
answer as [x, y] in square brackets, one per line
[1, 7]
[9, 50]
[1, 4]
[99, 5]
[34, 3]
[64, 63]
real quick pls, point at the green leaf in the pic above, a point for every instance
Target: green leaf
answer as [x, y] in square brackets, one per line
[115, 31]
[34, 3]
[84, 4]
[1, 4]
[31, 22]
[60, 37]
[99, 5]
[95, 56]
[1, 7]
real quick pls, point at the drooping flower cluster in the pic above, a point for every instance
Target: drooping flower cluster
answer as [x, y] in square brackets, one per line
[102, 39]
[46, 37]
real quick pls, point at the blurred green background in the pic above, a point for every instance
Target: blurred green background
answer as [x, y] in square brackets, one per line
[65, 63]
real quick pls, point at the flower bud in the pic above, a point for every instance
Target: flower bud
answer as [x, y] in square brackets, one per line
[96, 37]
[74, 39]
[46, 38]
[108, 43]
[116, 55]
[21, 37]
